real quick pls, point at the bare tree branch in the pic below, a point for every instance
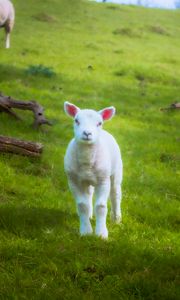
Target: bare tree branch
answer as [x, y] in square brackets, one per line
[7, 103]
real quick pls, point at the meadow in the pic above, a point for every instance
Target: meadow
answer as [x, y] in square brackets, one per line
[94, 55]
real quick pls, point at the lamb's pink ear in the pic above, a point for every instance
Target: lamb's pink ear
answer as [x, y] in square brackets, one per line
[70, 109]
[107, 113]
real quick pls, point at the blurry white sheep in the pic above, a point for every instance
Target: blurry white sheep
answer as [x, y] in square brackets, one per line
[93, 164]
[7, 15]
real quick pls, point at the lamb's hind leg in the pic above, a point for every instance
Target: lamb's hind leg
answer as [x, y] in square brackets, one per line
[115, 199]
[7, 31]
[8, 28]
[7, 40]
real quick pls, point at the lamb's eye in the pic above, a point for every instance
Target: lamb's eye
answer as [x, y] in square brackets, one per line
[99, 124]
[77, 122]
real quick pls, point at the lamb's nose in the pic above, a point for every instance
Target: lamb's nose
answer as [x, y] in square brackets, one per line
[86, 133]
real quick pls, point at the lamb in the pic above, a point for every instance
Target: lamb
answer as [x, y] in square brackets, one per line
[7, 15]
[93, 165]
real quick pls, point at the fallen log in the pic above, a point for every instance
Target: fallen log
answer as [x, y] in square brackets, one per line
[12, 145]
[7, 103]
[172, 106]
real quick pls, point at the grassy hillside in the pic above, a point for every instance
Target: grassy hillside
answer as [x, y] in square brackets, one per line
[101, 55]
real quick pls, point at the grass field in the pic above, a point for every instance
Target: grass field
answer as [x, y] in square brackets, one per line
[98, 55]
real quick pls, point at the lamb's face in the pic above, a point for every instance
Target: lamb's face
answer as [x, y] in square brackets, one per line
[87, 126]
[88, 122]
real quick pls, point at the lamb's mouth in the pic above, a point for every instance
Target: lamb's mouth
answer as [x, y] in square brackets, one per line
[86, 139]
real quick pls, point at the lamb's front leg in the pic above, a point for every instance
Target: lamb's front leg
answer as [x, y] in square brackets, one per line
[102, 191]
[82, 196]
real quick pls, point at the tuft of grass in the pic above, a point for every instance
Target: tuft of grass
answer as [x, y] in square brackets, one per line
[113, 7]
[43, 17]
[153, 74]
[120, 73]
[169, 158]
[40, 70]
[159, 30]
[127, 31]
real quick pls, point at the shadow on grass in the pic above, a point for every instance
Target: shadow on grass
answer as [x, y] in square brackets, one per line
[120, 268]
[123, 269]
[141, 271]
[38, 79]
[8, 72]
[31, 221]
[135, 99]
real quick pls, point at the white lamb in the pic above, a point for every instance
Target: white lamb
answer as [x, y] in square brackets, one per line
[93, 164]
[7, 15]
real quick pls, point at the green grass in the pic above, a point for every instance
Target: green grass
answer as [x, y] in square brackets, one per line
[101, 55]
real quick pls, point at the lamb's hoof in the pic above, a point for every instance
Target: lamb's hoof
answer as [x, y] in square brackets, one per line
[90, 216]
[86, 231]
[116, 219]
[103, 233]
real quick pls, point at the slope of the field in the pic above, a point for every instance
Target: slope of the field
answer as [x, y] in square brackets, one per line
[100, 55]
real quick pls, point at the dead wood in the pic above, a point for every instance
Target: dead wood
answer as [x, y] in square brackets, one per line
[172, 106]
[7, 103]
[12, 145]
